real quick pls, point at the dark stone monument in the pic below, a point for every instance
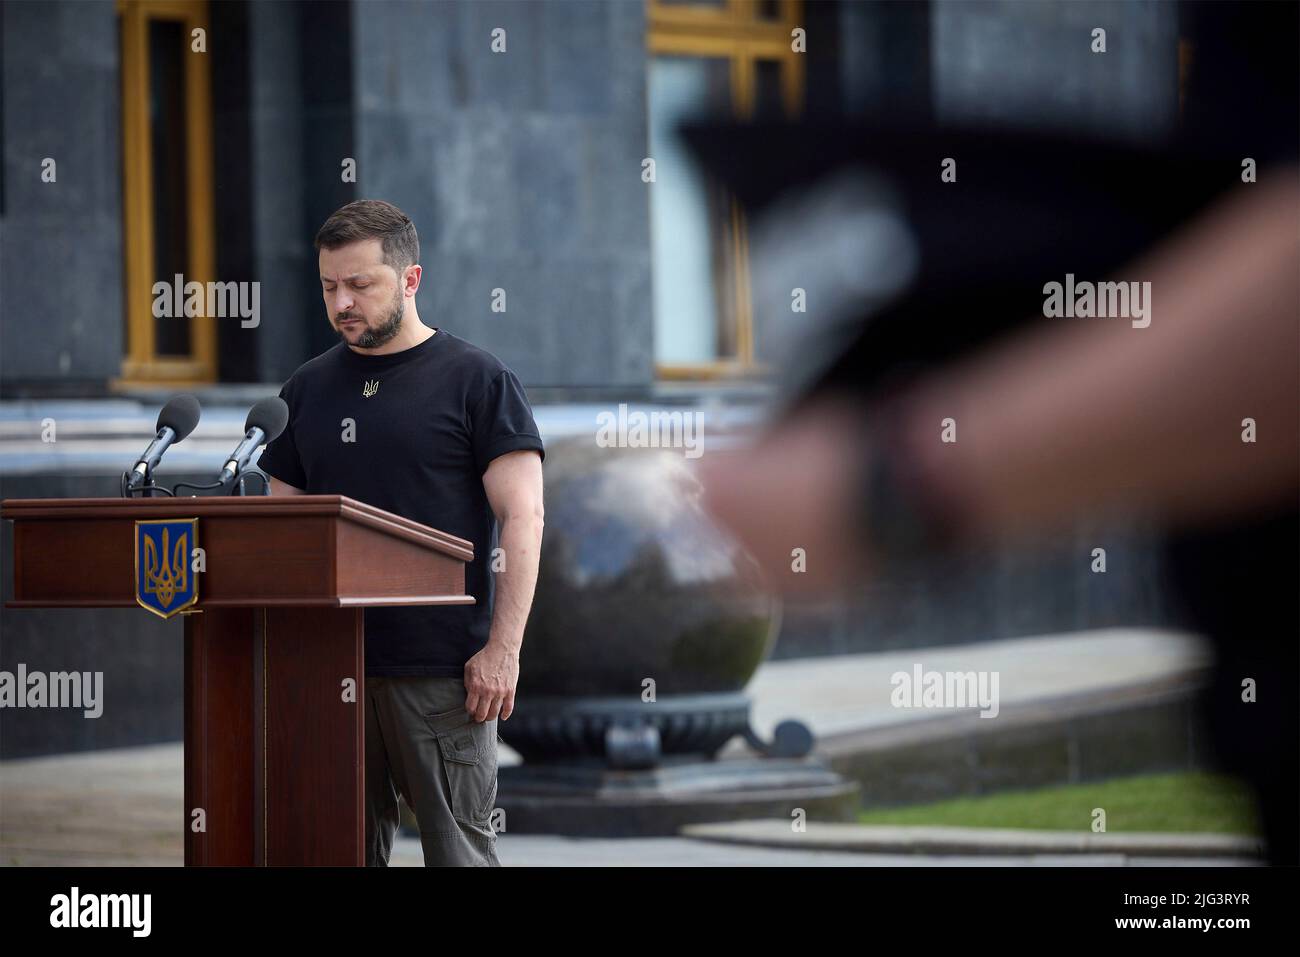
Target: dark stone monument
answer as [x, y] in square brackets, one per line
[647, 624]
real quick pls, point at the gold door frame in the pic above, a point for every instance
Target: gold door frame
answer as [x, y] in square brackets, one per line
[735, 32]
[141, 364]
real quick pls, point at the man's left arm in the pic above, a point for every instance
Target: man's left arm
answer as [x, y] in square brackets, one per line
[513, 483]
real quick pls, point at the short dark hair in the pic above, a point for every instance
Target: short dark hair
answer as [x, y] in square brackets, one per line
[373, 219]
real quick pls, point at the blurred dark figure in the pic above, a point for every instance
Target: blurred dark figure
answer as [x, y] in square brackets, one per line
[1054, 417]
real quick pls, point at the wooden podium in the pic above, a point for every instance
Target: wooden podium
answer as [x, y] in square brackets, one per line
[274, 745]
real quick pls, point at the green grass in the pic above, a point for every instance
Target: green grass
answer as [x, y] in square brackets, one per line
[1184, 802]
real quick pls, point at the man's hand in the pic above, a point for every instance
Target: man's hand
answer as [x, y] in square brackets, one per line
[490, 678]
[795, 489]
[513, 483]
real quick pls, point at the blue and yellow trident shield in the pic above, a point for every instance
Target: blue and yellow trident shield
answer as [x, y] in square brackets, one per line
[164, 583]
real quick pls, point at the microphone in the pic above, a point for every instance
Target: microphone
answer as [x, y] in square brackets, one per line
[176, 420]
[266, 420]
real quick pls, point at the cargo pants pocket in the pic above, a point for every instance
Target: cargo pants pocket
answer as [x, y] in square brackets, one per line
[469, 763]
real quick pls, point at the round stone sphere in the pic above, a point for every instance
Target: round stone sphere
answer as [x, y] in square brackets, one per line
[636, 582]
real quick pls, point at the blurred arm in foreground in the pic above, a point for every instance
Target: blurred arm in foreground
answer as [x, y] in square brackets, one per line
[1081, 414]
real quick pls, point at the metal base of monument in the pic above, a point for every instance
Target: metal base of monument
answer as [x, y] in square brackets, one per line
[589, 801]
[577, 729]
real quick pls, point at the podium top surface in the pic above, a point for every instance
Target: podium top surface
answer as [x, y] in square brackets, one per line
[294, 550]
[216, 507]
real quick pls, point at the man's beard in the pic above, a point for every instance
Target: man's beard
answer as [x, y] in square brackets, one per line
[373, 338]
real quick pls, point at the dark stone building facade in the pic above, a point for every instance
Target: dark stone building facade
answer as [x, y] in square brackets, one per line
[522, 172]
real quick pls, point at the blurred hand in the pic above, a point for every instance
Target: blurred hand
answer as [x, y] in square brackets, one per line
[796, 489]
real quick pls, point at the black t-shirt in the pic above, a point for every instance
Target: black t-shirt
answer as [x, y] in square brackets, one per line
[436, 415]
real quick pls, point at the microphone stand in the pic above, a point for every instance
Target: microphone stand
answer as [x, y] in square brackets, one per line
[261, 476]
[147, 490]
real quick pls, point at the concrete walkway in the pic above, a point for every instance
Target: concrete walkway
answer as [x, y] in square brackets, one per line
[959, 841]
[846, 694]
[526, 850]
[124, 806]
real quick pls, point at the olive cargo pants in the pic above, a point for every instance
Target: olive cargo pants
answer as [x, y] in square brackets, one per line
[423, 744]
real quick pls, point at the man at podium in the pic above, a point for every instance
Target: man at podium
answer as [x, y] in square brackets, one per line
[415, 420]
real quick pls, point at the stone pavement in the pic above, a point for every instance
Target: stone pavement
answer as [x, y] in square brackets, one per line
[118, 806]
[124, 806]
[843, 694]
[529, 850]
[961, 841]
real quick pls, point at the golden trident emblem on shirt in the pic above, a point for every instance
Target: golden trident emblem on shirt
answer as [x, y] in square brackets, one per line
[370, 388]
